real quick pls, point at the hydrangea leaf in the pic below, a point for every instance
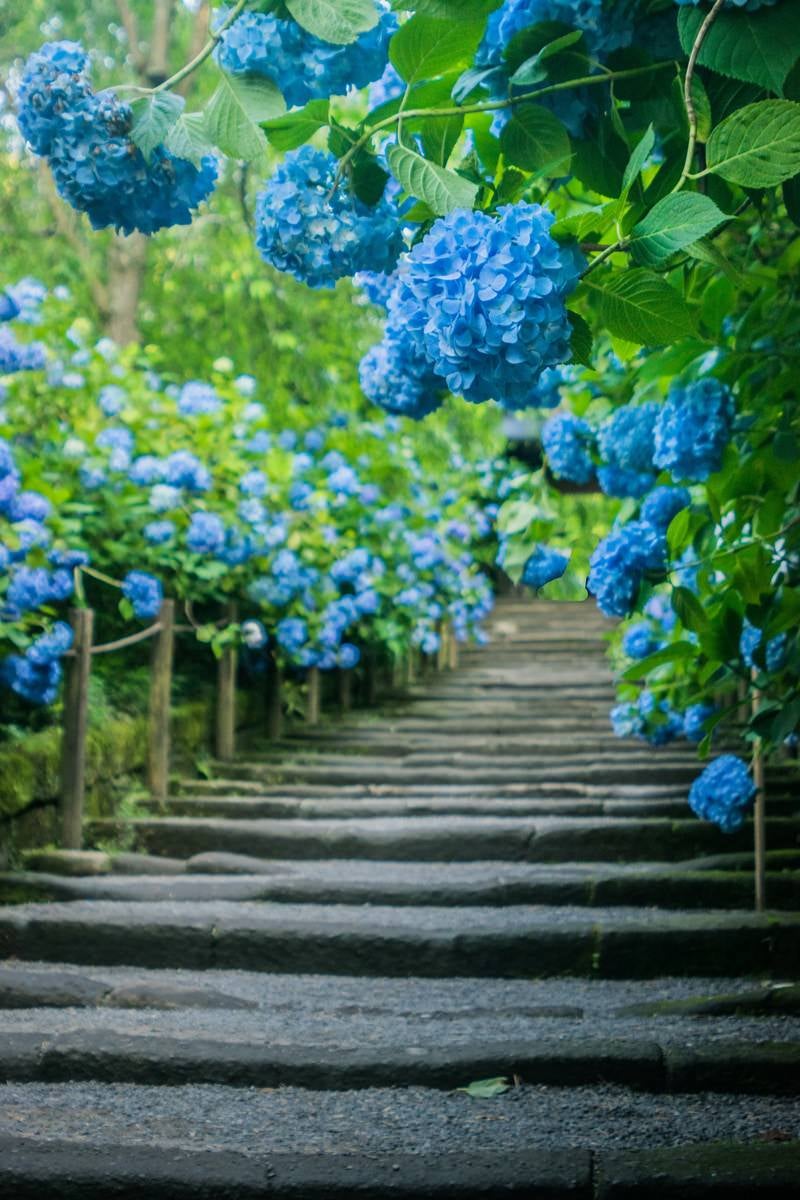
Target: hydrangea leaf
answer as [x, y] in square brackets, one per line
[449, 10]
[691, 613]
[153, 117]
[536, 140]
[439, 136]
[757, 146]
[337, 21]
[581, 341]
[641, 307]
[672, 223]
[295, 128]
[757, 47]
[234, 112]
[188, 138]
[674, 653]
[638, 158]
[440, 189]
[532, 70]
[425, 47]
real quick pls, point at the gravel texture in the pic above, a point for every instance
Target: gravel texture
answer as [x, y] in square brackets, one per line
[384, 1121]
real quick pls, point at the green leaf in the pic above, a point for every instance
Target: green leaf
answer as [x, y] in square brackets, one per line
[674, 653]
[295, 128]
[423, 47]
[690, 611]
[536, 140]
[706, 252]
[449, 10]
[440, 189]
[757, 146]
[188, 138]
[235, 111]
[531, 70]
[153, 117]
[486, 1089]
[638, 158]
[580, 343]
[641, 307]
[678, 531]
[338, 21]
[439, 136]
[756, 47]
[672, 223]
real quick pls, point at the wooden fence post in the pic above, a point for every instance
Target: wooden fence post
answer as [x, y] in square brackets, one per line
[442, 651]
[73, 743]
[274, 700]
[226, 695]
[759, 816]
[313, 683]
[452, 657]
[158, 739]
[345, 680]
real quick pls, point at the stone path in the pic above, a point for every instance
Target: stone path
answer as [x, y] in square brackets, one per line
[281, 988]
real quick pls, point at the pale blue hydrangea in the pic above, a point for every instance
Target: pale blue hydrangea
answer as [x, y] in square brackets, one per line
[317, 234]
[112, 399]
[158, 533]
[723, 793]
[567, 442]
[182, 469]
[693, 428]
[198, 399]
[206, 533]
[620, 563]
[304, 67]
[484, 297]
[19, 356]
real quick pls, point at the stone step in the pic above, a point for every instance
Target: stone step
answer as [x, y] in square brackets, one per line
[91, 1052]
[610, 772]
[515, 942]
[218, 875]
[222, 785]
[445, 838]
[134, 1162]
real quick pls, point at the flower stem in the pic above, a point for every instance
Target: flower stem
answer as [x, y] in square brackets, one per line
[200, 58]
[688, 100]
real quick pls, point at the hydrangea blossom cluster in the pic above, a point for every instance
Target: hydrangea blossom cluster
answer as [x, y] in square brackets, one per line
[662, 504]
[97, 168]
[626, 443]
[741, 5]
[145, 594]
[543, 566]
[19, 356]
[640, 640]
[303, 66]
[775, 654]
[36, 674]
[319, 234]
[694, 720]
[693, 428]
[723, 793]
[619, 564]
[649, 719]
[484, 297]
[567, 442]
[397, 374]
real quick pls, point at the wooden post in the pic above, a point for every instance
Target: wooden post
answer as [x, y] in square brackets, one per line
[452, 657]
[345, 680]
[759, 816]
[313, 683]
[73, 744]
[226, 695]
[274, 700]
[370, 677]
[442, 652]
[160, 703]
[410, 666]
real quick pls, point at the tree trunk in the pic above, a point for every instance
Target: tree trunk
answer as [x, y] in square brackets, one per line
[127, 261]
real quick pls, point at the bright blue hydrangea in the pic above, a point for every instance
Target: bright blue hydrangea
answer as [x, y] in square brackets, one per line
[547, 393]
[605, 27]
[627, 438]
[31, 587]
[182, 469]
[144, 593]
[206, 533]
[29, 294]
[622, 483]
[484, 297]
[693, 428]
[29, 506]
[664, 503]
[567, 442]
[19, 356]
[86, 139]
[723, 793]
[36, 675]
[662, 724]
[377, 286]
[304, 67]
[198, 399]
[291, 634]
[9, 309]
[619, 564]
[543, 566]
[397, 374]
[750, 641]
[317, 234]
[639, 641]
[349, 656]
[740, 5]
[694, 720]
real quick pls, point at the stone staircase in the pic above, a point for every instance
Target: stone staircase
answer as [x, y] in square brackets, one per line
[286, 986]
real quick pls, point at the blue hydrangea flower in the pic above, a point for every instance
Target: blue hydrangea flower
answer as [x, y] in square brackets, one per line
[661, 723]
[389, 87]
[9, 309]
[183, 469]
[198, 399]
[377, 286]
[29, 506]
[304, 67]
[349, 656]
[693, 428]
[34, 678]
[627, 438]
[567, 442]
[206, 533]
[29, 294]
[723, 793]
[664, 503]
[622, 483]
[484, 297]
[547, 393]
[639, 641]
[52, 645]
[734, 5]
[253, 483]
[317, 234]
[86, 139]
[19, 356]
[112, 399]
[750, 641]
[397, 374]
[627, 721]
[144, 593]
[544, 565]
[146, 470]
[157, 533]
[291, 634]
[619, 564]
[694, 719]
